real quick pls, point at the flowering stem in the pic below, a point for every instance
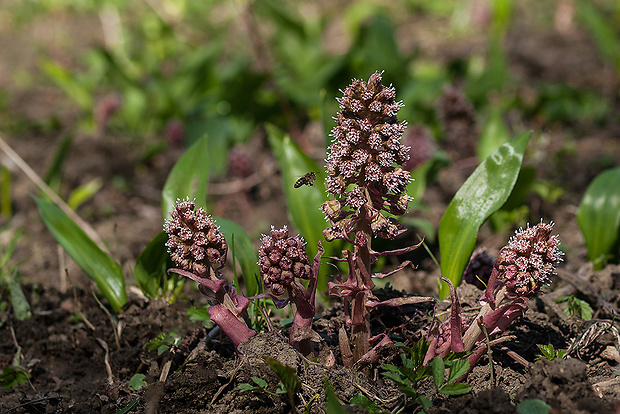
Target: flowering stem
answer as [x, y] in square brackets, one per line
[474, 331]
[360, 331]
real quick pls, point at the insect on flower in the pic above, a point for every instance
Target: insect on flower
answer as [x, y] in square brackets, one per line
[307, 179]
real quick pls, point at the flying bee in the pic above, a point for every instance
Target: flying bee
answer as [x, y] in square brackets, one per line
[306, 179]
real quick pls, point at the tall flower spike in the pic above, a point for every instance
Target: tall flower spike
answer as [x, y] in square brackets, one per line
[363, 164]
[194, 241]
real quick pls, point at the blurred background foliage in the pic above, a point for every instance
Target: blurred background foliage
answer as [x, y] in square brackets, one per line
[162, 73]
[180, 69]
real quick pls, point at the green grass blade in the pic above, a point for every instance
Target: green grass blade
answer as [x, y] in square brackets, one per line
[84, 193]
[245, 253]
[97, 264]
[599, 215]
[189, 177]
[484, 192]
[53, 177]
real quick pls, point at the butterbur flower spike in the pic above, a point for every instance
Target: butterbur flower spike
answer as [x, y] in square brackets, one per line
[368, 184]
[194, 241]
[523, 266]
[198, 248]
[282, 261]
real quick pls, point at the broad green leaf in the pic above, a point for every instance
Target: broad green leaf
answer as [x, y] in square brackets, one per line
[151, 266]
[438, 368]
[458, 369]
[189, 177]
[245, 253]
[96, 263]
[303, 202]
[599, 216]
[455, 389]
[484, 192]
[136, 382]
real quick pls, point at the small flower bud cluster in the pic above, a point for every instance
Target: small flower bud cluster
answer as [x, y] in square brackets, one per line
[528, 260]
[363, 165]
[281, 259]
[194, 241]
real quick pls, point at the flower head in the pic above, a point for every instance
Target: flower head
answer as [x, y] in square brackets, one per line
[528, 260]
[363, 164]
[281, 259]
[194, 241]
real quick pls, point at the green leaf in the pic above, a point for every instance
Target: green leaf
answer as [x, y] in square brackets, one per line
[533, 406]
[151, 265]
[599, 216]
[484, 192]
[200, 315]
[129, 406]
[53, 176]
[286, 374]
[455, 389]
[21, 307]
[303, 202]
[84, 193]
[189, 177]
[96, 263]
[602, 29]
[260, 382]
[494, 133]
[136, 382]
[396, 377]
[458, 369]
[12, 377]
[438, 368]
[361, 400]
[66, 81]
[547, 351]
[245, 253]
[245, 387]
[333, 403]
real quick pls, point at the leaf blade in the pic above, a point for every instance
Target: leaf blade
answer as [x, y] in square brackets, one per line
[483, 193]
[97, 264]
[151, 265]
[189, 177]
[244, 253]
[599, 215]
